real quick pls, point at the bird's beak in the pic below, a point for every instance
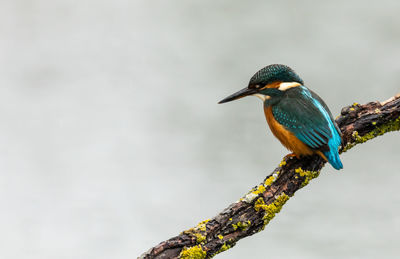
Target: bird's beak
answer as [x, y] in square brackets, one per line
[240, 94]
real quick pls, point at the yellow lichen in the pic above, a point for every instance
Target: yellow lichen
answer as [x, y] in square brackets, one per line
[283, 162]
[269, 180]
[380, 130]
[259, 203]
[254, 193]
[308, 175]
[220, 236]
[261, 188]
[199, 232]
[224, 247]
[271, 209]
[200, 238]
[202, 225]
[194, 252]
[355, 104]
[241, 225]
[234, 226]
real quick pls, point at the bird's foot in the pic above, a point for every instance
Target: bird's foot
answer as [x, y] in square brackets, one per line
[290, 156]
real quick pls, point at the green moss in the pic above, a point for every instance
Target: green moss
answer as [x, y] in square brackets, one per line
[308, 175]
[378, 131]
[194, 252]
[271, 209]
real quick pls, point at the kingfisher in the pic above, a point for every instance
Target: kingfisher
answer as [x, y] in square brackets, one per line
[297, 116]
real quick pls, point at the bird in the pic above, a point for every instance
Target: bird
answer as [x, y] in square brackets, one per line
[296, 115]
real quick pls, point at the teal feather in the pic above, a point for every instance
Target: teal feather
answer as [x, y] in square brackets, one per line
[273, 73]
[303, 113]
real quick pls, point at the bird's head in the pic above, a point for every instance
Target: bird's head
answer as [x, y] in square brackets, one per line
[269, 82]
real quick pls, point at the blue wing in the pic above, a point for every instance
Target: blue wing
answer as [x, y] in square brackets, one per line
[309, 119]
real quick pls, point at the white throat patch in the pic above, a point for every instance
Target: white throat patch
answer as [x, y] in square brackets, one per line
[262, 97]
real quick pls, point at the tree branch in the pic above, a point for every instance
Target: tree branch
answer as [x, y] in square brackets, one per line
[251, 213]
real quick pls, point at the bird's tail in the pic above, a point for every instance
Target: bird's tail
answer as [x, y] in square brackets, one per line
[334, 159]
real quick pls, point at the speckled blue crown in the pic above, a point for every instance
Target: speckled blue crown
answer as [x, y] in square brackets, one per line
[273, 73]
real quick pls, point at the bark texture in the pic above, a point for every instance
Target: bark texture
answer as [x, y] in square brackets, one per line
[251, 213]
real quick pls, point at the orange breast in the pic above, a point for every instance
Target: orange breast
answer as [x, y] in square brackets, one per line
[288, 139]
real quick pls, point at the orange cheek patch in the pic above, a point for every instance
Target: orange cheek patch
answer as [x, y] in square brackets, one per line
[272, 85]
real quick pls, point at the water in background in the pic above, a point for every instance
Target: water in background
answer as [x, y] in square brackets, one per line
[111, 139]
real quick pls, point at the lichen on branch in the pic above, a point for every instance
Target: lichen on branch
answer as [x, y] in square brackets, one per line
[251, 213]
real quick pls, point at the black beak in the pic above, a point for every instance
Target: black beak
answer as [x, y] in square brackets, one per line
[240, 94]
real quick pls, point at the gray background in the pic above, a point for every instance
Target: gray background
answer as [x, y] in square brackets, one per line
[111, 139]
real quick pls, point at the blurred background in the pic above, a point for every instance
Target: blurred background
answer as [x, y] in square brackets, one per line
[111, 139]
